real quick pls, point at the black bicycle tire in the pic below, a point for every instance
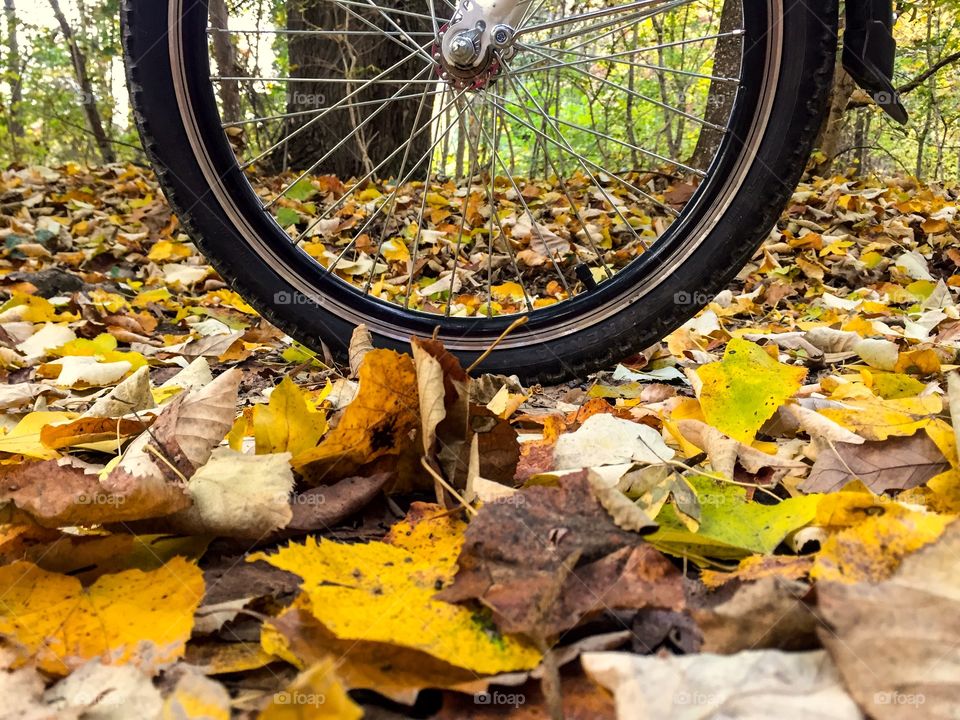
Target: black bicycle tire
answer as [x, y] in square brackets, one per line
[809, 41]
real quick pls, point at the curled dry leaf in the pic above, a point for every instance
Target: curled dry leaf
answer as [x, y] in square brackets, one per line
[319, 508]
[724, 452]
[131, 396]
[361, 342]
[907, 665]
[154, 471]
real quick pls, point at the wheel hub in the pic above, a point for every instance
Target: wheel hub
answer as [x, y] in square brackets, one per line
[469, 49]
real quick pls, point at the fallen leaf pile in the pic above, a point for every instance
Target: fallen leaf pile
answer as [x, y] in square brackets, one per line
[200, 518]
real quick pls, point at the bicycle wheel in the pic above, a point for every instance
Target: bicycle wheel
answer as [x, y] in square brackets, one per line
[602, 169]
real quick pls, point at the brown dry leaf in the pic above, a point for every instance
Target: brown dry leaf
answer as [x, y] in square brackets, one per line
[548, 556]
[143, 618]
[381, 420]
[155, 469]
[895, 642]
[319, 508]
[894, 464]
[445, 408]
[758, 567]
[768, 614]
[93, 430]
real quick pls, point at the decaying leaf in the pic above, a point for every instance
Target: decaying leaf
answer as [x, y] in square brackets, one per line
[895, 464]
[607, 440]
[751, 685]
[154, 470]
[546, 557]
[381, 420]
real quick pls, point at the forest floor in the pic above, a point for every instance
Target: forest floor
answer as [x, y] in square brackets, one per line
[202, 519]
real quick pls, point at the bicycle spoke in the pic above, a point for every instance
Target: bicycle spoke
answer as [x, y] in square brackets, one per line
[320, 116]
[339, 203]
[305, 113]
[615, 58]
[393, 207]
[596, 168]
[535, 226]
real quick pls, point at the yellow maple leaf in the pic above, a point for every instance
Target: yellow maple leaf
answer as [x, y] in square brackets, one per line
[132, 617]
[742, 391]
[287, 423]
[383, 592]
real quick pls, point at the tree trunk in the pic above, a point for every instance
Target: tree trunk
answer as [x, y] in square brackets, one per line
[828, 140]
[225, 55]
[14, 78]
[357, 58]
[720, 98]
[87, 98]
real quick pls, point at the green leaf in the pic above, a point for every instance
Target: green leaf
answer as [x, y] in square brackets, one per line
[731, 527]
[287, 217]
[301, 190]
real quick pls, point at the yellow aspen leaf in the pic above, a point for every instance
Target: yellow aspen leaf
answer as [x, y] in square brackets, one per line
[379, 421]
[132, 617]
[742, 391]
[395, 250]
[317, 694]
[934, 227]
[287, 423]
[383, 592]
[508, 291]
[878, 419]
[896, 385]
[165, 250]
[923, 362]
[32, 308]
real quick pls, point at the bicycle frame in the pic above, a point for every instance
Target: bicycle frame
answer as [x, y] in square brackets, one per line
[869, 51]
